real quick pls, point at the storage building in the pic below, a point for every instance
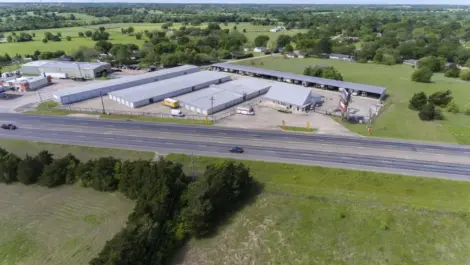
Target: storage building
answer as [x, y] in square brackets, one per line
[210, 100]
[224, 95]
[70, 69]
[75, 94]
[139, 96]
[287, 96]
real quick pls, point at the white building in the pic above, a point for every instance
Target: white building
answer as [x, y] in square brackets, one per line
[288, 97]
[260, 49]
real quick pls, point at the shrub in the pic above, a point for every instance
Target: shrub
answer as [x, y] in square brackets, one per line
[452, 71]
[453, 108]
[465, 75]
[429, 113]
[467, 111]
[418, 101]
[422, 75]
[441, 98]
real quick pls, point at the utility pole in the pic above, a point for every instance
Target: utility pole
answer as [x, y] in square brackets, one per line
[212, 107]
[39, 95]
[102, 102]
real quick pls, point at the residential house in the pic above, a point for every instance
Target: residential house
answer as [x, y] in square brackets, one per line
[260, 49]
[277, 29]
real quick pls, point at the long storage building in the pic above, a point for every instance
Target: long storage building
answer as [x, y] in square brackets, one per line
[75, 94]
[139, 96]
[223, 96]
[68, 69]
[362, 89]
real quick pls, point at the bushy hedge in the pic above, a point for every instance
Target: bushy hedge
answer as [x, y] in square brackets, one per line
[170, 206]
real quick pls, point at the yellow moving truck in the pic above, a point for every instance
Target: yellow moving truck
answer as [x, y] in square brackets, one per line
[171, 103]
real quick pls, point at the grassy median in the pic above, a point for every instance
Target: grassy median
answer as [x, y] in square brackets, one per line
[314, 215]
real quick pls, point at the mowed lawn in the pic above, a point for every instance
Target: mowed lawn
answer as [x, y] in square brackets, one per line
[84, 153]
[313, 215]
[117, 37]
[65, 225]
[397, 121]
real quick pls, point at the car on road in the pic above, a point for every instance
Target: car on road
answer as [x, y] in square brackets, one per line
[9, 127]
[236, 149]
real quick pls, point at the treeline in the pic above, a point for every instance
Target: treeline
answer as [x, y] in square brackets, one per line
[170, 206]
[430, 107]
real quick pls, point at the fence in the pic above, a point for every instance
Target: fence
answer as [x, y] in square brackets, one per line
[215, 117]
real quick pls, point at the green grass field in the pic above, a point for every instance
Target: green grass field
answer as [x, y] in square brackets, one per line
[116, 36]
[65, 225]
[297, 129]
[397, 121]
[313, 215]
[22, 148]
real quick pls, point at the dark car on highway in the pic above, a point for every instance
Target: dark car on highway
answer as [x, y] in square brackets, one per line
[9, 127]
[236, 150]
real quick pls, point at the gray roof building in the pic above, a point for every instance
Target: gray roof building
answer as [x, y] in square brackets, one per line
[289, 95]
[75, 94]
[71, 69]
[224, 95]
[138, 96]
[305, 80]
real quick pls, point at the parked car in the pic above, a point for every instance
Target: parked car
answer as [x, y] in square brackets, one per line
[237, 149]
[9, 127]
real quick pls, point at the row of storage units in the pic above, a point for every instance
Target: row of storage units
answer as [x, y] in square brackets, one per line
[139, 96]
[25, 84]
[96, 89]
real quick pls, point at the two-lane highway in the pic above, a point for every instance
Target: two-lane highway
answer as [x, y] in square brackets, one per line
[266, 153]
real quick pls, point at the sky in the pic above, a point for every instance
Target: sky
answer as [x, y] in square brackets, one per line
[408, 2]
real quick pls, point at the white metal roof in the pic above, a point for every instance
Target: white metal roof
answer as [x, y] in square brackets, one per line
[246, 85]
[290, 94]
[65, 65]
[202, 98]
[155, 89]
[127, 79]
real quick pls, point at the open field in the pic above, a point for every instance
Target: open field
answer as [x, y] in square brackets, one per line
[65, 225]
[397, 121]
[22, 148]
[313, 215]
[116, 36]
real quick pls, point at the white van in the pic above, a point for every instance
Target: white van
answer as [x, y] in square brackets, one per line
[176, 113]
[245, 110]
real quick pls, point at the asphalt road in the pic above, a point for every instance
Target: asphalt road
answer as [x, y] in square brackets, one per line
[276, 154]
[100, 124]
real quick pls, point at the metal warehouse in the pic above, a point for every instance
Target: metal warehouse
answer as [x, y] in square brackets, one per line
[292, 97]
[223, 96]
[248, 87]
[68, 69]
[210, 100]
[75, 94]
[139, 96]
[366, 90]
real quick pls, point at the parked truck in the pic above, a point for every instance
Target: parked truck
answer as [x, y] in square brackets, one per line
[176, 113]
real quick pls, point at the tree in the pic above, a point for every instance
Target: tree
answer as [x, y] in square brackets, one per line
[59, 172]
[452, 71]
[138, 36]
[283, 40]
[261, 41]
[29, 170]
[325, 72]
[45, 40]
[465, 75]
[10, 38]
[288, 48]
[130, 30]
[68, 38]
[441, 98]
[170, 60]
[429, 113]
[88, 33]
[81, 34]
[418, 101]
[8, 168]
[422, 75]
[433, 63]
[103, 46]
